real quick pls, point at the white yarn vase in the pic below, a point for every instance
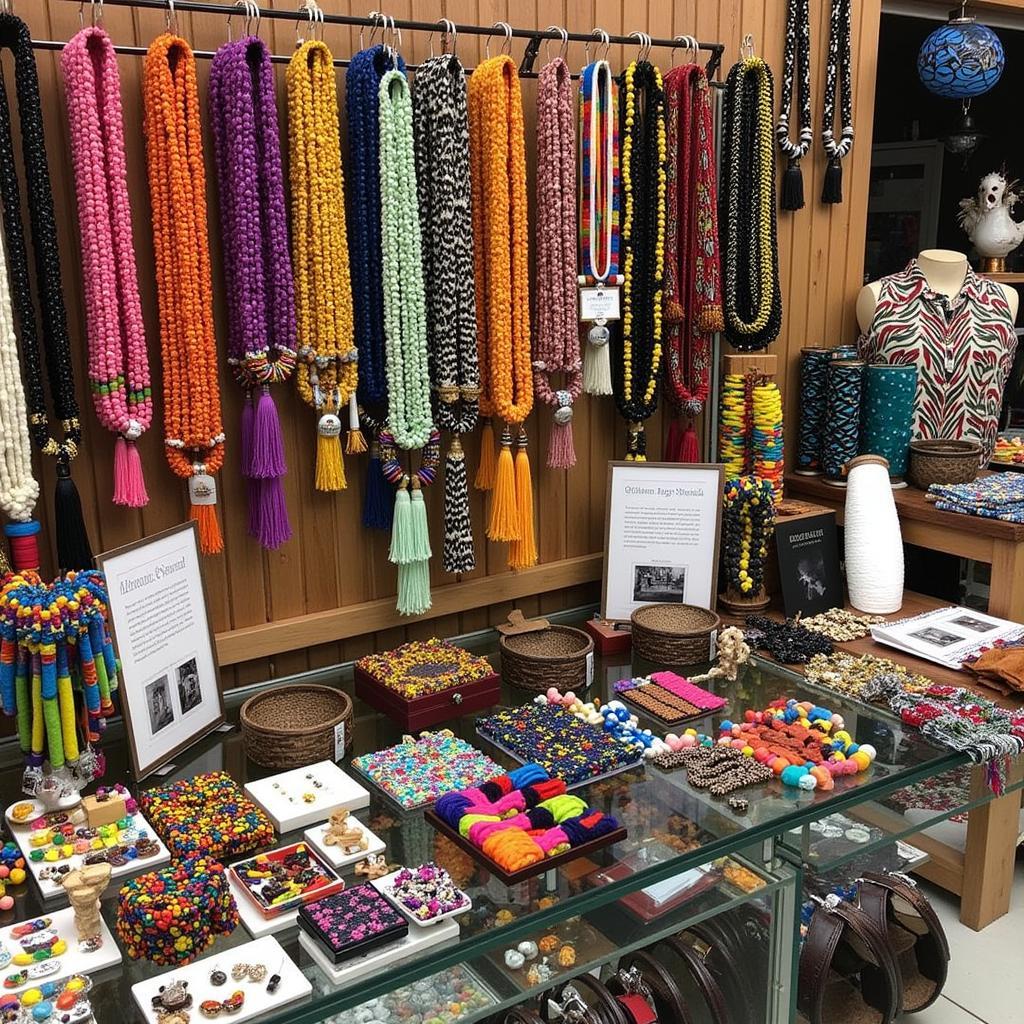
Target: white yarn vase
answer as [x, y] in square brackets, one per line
[873, 542]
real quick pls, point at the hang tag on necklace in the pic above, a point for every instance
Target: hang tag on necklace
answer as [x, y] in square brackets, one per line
[599, 302]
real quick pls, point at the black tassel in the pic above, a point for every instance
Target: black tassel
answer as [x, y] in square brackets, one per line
[73, 549]
[832, 190]
[379, 495]
[793, 187]
[457, 553]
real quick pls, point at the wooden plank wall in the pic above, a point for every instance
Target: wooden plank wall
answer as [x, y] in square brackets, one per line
[332, 562]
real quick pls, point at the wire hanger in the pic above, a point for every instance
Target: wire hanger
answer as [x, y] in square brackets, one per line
[506, 46]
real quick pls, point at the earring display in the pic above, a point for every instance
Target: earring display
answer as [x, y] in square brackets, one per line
[343, 839]
[425, 894]
[300, 797]
[247, 994]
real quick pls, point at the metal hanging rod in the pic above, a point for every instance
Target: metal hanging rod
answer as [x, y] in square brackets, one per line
[375, 20]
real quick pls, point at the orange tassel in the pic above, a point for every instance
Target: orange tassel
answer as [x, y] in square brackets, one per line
[522, 553]
[504, 522]
[487, 470]
[210, 540]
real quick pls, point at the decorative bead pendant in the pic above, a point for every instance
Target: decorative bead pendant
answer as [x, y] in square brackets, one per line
[329, 425]
[202, 489]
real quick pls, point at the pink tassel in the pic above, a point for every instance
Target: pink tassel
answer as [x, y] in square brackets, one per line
[689, 450]
[673, 442]
[267, 443]
[129, 484]
[274, 527]
[246, 439]
[561, 453]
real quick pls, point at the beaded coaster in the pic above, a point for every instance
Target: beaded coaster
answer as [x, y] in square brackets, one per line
[352, 922]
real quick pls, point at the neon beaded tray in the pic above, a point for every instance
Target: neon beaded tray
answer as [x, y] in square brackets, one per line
[662, 685]
[301, 861]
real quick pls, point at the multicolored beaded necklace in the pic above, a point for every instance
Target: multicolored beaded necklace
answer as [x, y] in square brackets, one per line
[118, 362]
[257, 268]
[441, 130]
[73, 549]
[637, 362]
[747, 524]
[599, 209]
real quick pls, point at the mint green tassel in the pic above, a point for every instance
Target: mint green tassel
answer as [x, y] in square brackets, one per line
[413, 588]
[401, 528]
[419, 535]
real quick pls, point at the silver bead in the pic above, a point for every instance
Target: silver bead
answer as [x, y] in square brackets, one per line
[329, 425]
[599, 335]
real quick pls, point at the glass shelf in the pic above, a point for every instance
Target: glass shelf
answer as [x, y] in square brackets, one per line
[657, 807]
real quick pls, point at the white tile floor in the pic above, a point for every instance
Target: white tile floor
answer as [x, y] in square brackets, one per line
[986, 976]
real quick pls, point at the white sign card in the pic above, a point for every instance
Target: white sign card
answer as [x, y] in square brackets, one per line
[663, 521]
[170, 683]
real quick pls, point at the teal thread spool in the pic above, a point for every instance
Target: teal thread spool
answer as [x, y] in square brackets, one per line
[887, 410]
[841, 431]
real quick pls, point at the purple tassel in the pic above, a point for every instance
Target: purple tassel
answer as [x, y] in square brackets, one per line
[274, 527]
[252, 490]
[247, 431]
[267, 443]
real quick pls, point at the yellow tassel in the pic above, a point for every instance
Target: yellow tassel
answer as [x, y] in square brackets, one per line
[210, 540]
[355, 443]
[523, 552]
[487, 469]
[330, 467]
[504, 522]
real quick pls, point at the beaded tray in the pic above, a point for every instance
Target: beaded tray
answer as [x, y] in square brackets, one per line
[422, 667]
[283, 879]
[553, 737]
[669, 697]
[349, 923]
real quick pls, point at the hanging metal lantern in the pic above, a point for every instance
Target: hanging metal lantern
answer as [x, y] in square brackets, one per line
[962, 59]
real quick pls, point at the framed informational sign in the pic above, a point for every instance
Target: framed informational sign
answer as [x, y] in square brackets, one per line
[170, 680]
[662, 524]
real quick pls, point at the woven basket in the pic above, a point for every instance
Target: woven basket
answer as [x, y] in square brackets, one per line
[292, 726]
[674, 634]
[943, 462]
[556, 656]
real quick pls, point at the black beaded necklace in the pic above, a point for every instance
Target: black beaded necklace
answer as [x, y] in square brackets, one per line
[73, 549]
[839, 66]
[797, 59]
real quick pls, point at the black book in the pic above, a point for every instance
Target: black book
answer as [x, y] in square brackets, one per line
[809, 564]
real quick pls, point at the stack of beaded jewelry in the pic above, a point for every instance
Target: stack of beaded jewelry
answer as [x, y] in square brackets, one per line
[732, 425]
[840, 625]
[854, 675]
[768, 452]
[787, 642]
[748, 522]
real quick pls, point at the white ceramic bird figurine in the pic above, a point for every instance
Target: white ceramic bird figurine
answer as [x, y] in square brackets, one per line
[988, 223]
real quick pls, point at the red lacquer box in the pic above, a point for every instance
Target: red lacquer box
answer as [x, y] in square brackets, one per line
[607, 639]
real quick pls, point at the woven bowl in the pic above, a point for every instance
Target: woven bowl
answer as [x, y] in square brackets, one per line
[556, 656]
[292, 726]
[675, 634]
[944, 462]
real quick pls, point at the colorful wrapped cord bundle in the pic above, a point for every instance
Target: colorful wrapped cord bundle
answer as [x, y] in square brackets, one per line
[522, 818]
[57, 671]
[206, 816]
[170, 917]
[805, 745]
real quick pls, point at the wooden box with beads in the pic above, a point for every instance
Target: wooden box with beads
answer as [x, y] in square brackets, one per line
[426, 682]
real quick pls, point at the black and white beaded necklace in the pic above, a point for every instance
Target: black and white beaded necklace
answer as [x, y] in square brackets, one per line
[796, 59]
[839, 66]
[441, 128]
[73, 550]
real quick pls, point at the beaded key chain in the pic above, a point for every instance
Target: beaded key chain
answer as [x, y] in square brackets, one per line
[118, 362]
[498, 165]
[73, 549]
[193, 431]
[257, 268]
[327, 371]
[441, 128]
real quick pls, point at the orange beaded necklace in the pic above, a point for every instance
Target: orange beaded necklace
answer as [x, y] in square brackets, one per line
[193, 432]
[498, 175]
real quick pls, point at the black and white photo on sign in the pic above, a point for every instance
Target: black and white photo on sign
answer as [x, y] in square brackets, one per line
[190, 693]
[937, 637]
[665, 583]
[158, 700]
[970, 622]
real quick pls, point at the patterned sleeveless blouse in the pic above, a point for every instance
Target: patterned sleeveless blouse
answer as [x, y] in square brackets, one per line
[962, 347]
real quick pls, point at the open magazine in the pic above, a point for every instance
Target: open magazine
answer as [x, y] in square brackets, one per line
[947, 636]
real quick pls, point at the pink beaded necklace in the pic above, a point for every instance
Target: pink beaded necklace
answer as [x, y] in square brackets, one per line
[118, 364]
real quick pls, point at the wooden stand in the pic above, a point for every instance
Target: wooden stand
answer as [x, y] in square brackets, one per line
[739, 604]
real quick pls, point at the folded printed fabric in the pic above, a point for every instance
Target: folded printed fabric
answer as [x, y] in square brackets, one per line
[1009, 513]
[996, 496]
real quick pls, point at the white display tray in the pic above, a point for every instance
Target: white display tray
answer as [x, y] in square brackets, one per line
[415, 942]
[332, 854]
[71, 962]
[382, 886]
[53, 890]
[337, 790]
[267, 951]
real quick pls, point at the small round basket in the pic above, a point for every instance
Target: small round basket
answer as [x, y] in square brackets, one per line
[292, 726]
[556, 656]
[944, 462]
[674, 634]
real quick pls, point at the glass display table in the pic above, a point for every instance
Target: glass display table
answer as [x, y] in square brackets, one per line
[688, 855]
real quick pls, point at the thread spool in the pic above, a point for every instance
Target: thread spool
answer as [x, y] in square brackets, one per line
[872, 539]
[845, 352]
[887, 411]
[814, 363]
[841, 436]
[24, 544]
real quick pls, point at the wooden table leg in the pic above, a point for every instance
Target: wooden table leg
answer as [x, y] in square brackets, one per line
[989, 856]
[1006, 591]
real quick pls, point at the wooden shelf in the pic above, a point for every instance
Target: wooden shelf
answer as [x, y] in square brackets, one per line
[1005, 278]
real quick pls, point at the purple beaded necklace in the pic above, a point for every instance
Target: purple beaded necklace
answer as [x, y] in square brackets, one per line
[257, 267]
